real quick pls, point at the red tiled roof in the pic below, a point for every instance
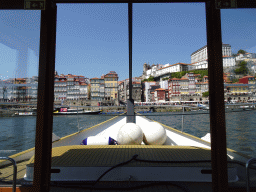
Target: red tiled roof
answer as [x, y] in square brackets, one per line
[175, 78]
[61, 81]
[160, 89]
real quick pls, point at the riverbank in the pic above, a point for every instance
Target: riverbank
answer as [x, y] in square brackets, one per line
[105, 110]
[10, 110]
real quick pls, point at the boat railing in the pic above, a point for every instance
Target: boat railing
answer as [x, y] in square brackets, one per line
[249, 162]
[14, 171]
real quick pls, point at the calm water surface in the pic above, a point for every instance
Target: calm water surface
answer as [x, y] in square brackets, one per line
[18, 133]
[240, 126]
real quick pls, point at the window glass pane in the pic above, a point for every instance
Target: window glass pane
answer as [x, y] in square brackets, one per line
[92, 50]
[170, 47]
[19, 58]
[239, 61]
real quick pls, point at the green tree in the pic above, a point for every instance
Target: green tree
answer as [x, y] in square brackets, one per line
[201, 72]
[151, 78]
[234, 80]
[206, 94]
[241, 51]
[243, 69]
[176, 75]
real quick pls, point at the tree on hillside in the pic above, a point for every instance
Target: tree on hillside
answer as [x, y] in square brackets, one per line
[243, 69]
[149, 79]
[201, 72]
[241, 51]
[235, 80]
[166, 78]
[206, 94]
[178, 74]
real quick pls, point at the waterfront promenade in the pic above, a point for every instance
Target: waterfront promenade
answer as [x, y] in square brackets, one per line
[9, 109]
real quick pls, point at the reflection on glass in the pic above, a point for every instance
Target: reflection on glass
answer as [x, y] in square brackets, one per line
[19, 51]
[239, 60]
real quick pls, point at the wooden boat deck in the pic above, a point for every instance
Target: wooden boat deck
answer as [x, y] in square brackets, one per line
[88, 156]
[92, 156]
[6, 173]
[107, 155]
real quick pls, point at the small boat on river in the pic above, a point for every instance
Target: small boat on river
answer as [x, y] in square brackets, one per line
[68, 111]
[27, 113]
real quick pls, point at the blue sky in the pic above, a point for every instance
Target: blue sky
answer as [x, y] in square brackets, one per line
[92, 39]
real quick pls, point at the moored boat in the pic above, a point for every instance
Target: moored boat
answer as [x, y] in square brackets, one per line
[68, 111]
[29, 113]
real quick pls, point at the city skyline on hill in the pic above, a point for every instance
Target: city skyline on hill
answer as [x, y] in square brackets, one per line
[92, 39]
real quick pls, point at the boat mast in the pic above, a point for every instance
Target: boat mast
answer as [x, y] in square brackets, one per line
[130, 102]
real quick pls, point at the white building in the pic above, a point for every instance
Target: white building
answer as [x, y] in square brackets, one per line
[83, 91]
[199, 58]
[246, 57]
[229, 61]
[163, 84]
[165, 70]
[147, 89]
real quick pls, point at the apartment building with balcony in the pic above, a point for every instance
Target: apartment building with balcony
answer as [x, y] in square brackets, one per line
[191, 83]
[147, 90]
[137, 90]
[70, 87]
[60, 88]
[18, 89]
[151, 92]
[174, 86]
[111, 85]
[97, 89]
[84, 91]
[160, 95]
[122, 92]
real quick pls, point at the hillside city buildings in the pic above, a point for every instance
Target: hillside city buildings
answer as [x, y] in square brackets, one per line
[109, 90]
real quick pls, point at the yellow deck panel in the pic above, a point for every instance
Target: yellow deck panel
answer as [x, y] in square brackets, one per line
[6, 173]
[102, 156]
[105, 156]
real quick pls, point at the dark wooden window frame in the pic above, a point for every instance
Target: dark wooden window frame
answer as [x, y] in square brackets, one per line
[43, 146]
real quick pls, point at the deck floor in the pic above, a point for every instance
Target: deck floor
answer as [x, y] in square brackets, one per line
[6, 173]
[79, 155]
[88, 156]
[107, 155]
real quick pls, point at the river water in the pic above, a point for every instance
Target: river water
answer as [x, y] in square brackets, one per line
[18, 133]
